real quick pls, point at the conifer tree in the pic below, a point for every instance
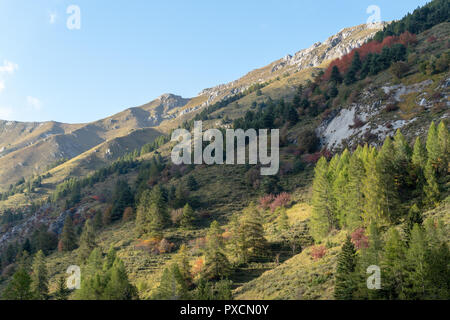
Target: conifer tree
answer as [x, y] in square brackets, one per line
[393, 266]
[336, 75]
[93, 281]
[322, 218]
[172, 285]
[182, 259]
[345, 285]
[98, 223]
[19, 287]
[356, 62]
[419, 156]
[340, 185]
[118, 286]
[39, 277]
[433, 148]
[87, 240]
[192, 183]
[188, 217]
[93, 263]
[283, 223]
[254, 244]
[369, 256]
[401, 165]
[204, 290]
[444, 148]
[152, 215]
[122, 198]
[62, 293]
[292, 116]
[354, 192]
[217, 265]
[431, 188]
[438, 272]
[418, 161]
[223, 290]
[68, 236]
[110, 258]
[414, 217]
[388, 197]
[416, 265]
[371, 188]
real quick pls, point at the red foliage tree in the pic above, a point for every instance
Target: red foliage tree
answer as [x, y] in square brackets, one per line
[281, 200]
[265, 201]
[318, 252]
[359, 239]
[344, 62]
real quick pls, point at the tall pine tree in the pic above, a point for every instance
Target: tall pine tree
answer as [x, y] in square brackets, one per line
[345, 285]
[39, 277]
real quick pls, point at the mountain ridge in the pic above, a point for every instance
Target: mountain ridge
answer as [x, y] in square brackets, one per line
[71, 140]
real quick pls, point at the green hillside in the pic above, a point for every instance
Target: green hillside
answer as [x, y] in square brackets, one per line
[363, 180]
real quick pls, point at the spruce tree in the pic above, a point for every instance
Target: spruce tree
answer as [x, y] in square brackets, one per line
[414, 218]
[122, 198]
[192, 183]
[335, 75]
[152, 215]
[87, 240]
[62, 293]
[188, 217]
[345, 285]
[438, 272]
[93, 280]
[39, 277]
[356, 62]
[68, 236]
[19, 288]
[118, 286]
[292, 116]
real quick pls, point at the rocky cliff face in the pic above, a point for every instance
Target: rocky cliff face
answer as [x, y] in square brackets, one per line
[334, 47]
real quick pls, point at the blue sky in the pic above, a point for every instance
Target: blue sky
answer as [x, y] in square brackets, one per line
[127, 53]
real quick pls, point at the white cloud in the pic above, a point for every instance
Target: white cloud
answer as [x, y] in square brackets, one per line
[34, 103]
[8, 67]
[6, 113]
[2, 85]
